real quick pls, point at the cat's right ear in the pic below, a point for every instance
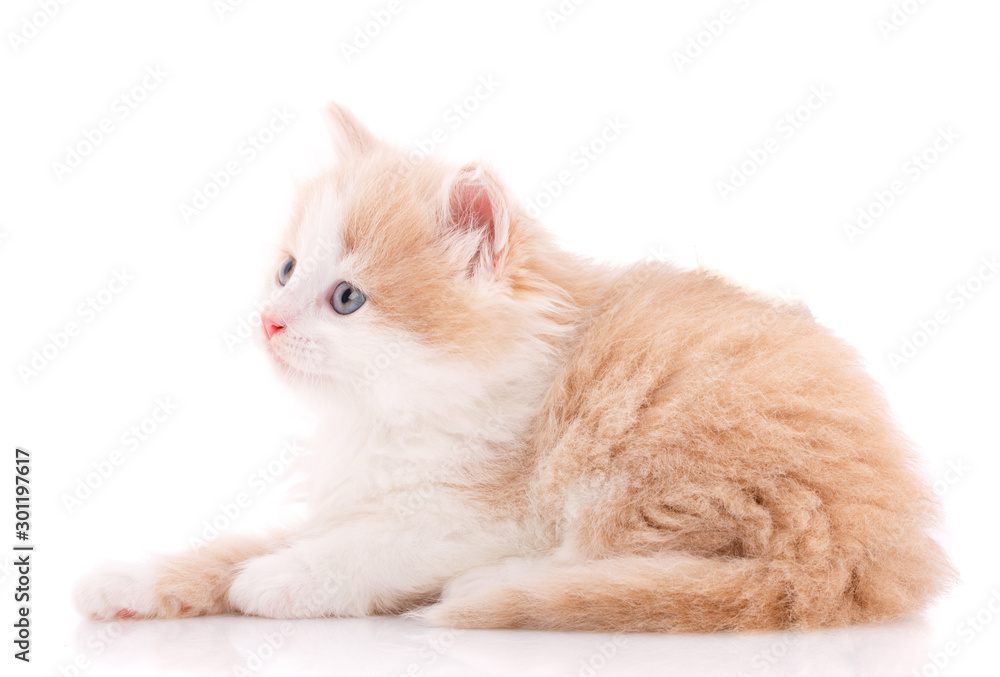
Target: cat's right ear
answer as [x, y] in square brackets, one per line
[476, 216]
[349, 135]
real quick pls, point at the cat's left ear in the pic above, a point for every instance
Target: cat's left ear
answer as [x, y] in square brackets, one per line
[348, 133]
[477, 215]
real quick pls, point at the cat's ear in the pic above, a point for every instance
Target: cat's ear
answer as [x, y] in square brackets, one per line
[477, 217]
[349, 135]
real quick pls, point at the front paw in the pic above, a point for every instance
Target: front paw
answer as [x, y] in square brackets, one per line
[115, 591]
[280, 585]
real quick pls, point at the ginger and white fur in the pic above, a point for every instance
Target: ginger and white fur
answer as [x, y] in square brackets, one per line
[552, 443]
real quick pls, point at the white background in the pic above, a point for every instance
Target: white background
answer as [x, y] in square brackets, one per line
[173, 332]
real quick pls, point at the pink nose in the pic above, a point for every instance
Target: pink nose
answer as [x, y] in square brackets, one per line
[271, 327]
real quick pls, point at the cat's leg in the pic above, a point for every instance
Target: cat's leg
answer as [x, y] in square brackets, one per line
[192, 583]
[367, 567]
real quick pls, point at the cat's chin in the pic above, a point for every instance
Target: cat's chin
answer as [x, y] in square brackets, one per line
[284, 367]
[295, 376]
[289, 371]
[277, 359]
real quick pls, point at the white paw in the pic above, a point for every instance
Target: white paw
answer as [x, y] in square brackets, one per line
[117, 590]
[280, 585]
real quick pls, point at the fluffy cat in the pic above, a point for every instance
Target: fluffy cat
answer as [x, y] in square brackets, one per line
[514, 437]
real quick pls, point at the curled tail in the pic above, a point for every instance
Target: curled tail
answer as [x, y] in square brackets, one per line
[672, 593]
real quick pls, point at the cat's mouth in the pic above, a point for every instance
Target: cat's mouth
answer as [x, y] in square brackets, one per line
[278, 357]
[296, 357]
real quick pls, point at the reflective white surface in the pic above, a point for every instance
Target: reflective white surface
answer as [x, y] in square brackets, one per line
[392, 646]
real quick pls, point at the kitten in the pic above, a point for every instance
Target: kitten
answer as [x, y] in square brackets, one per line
[514, 437]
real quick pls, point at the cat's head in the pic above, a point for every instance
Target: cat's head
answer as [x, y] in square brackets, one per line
[398, 277]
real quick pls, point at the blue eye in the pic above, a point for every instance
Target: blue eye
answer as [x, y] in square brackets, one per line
[346, 299]
[285, 270]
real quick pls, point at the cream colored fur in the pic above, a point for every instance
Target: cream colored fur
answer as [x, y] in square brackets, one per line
[515, 437]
